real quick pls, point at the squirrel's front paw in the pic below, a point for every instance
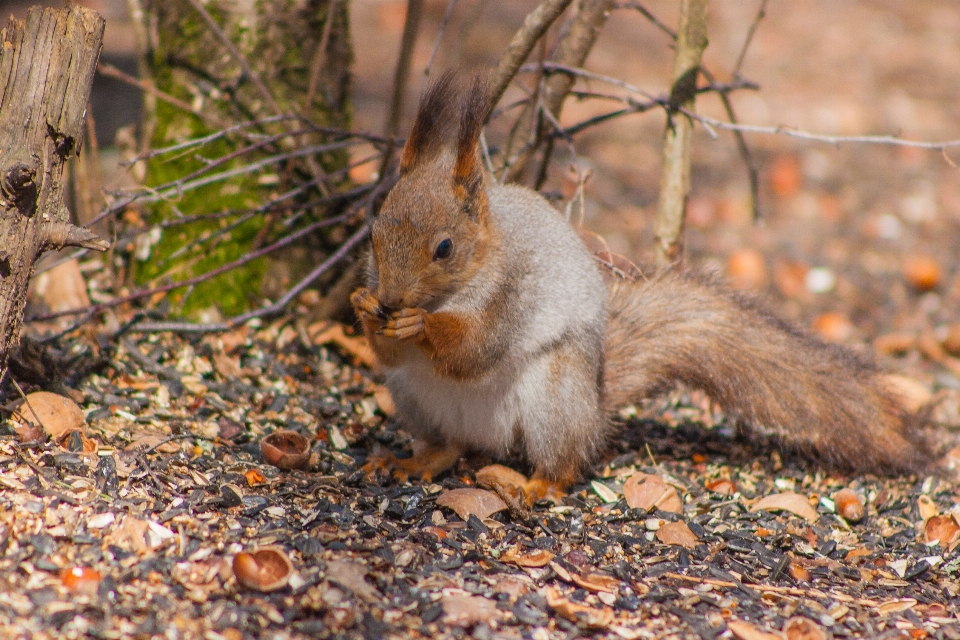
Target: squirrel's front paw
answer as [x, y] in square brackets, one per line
[365, 303]
[406, 324]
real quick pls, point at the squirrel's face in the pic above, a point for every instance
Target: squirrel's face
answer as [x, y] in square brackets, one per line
[427, 242]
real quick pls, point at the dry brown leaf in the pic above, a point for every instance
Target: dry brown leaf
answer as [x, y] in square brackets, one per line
[497, 474]
[578, 613]
[926, 507]
[352, 575]
[896, 606]
[787, 501]
[596, 582]
[644, 491]
[801, 628]
[74, 440]
[478, 502]
[466, 610]
[941, 529]
[722, 486]
[533, 559]
[746, 631]
[849, 505]
[56, 414]
[265, 569]
[798, 572]
[677, 533]
[357, 346]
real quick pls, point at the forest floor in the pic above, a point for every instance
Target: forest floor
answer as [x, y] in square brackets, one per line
[133, 526]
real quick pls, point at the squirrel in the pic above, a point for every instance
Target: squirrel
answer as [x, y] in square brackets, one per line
[497, 331]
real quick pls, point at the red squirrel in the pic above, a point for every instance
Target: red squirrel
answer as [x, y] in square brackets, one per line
[498, 333]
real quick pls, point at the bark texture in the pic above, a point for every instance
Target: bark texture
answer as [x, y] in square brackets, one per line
[47, 62]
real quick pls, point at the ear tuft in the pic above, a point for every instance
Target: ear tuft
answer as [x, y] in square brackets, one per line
[468, 170]
[436, 116]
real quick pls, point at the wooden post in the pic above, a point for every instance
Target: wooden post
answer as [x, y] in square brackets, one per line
[675, 181]
[47, 64]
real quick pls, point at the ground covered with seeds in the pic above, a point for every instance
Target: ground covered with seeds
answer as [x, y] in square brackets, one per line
[160, 512]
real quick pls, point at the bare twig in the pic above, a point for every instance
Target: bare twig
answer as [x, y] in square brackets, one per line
[633, 4]
[266, 311]
[106, 69]
[761, 13]
[675, 181]
[316, 65]
[236, 53]
[411, 28]
[571, 51]
[534, 26]
[440, 33]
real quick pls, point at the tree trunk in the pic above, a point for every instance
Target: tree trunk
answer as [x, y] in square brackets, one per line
[47, 64]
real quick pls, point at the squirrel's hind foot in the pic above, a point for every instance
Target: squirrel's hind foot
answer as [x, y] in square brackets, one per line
[425, 464]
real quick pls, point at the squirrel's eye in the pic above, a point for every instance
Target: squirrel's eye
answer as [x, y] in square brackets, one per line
[443, 250]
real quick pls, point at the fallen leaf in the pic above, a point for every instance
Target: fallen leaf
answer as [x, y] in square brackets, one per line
[498, 474]
[644, 491]
[74, 440]
[352, 575]
[578, 613]
[926, 507]
[265, 569]
[467, 502]
[941, 529]
[599, 582]
[466, 610]
[787, 501]
[849, 505]
[54, 413]
[534, 559]
[359, 347]
[801, 628]
[722, 486]
[746, 631]
[896, 606]
[677, 533]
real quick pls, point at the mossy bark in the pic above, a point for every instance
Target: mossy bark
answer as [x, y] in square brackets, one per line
[283, 57]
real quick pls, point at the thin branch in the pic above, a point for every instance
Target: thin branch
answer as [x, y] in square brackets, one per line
[263, 312]
[761, 14]
[534, 26]
[238, 56]
[319, 57]
[648, 15]
[411, 28]
[440, 33]
[144, 293]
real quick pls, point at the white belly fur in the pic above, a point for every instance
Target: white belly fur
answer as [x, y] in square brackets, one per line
[485, 414]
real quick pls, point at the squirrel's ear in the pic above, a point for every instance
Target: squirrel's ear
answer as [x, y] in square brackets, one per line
[435, 116]
[468, 169]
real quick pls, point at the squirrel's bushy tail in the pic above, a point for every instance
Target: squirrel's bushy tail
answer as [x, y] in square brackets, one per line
[820, 399]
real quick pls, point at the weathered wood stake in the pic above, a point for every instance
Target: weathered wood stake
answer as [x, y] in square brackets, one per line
[47, 62]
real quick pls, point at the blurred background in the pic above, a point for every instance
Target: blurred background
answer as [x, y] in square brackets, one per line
[856, 240]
